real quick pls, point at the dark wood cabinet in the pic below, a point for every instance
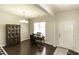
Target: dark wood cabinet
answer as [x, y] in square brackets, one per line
[12, 34]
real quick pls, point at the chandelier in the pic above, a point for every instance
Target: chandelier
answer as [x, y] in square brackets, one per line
[24, 19]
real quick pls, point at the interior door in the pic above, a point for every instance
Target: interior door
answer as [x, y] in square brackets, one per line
[65, 34]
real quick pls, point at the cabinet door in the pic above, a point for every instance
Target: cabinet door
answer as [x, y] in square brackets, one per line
[65, 34]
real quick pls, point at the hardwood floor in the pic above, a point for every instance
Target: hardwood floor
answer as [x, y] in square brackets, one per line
[25, 48]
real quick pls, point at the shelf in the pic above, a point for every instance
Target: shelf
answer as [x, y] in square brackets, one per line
[12, 34]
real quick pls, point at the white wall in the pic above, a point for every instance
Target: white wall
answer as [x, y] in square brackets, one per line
[50, 28]
[8, 18]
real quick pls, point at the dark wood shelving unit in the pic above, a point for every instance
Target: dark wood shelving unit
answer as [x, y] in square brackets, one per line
[12, 34]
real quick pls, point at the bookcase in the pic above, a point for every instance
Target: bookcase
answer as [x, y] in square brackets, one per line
[12, 34]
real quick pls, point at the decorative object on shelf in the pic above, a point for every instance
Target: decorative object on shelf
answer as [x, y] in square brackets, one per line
[24, 19]
[12, 34]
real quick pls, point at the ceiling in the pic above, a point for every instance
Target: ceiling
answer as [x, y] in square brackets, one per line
[37, 10]
[63, 7]
[29, 10]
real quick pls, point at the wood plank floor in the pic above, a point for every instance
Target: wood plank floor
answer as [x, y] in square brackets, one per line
[25, 48]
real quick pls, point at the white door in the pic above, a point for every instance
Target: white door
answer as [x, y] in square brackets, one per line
[65, 34]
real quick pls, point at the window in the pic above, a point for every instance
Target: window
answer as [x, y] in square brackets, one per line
[39, 27]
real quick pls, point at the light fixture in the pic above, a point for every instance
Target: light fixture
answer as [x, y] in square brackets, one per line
[24, 19]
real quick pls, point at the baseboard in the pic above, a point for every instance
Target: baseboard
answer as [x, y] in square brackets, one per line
[25, 40]
[29, 39]
[3, 45]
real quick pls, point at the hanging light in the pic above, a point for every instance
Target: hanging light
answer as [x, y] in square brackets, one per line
[24, 19]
